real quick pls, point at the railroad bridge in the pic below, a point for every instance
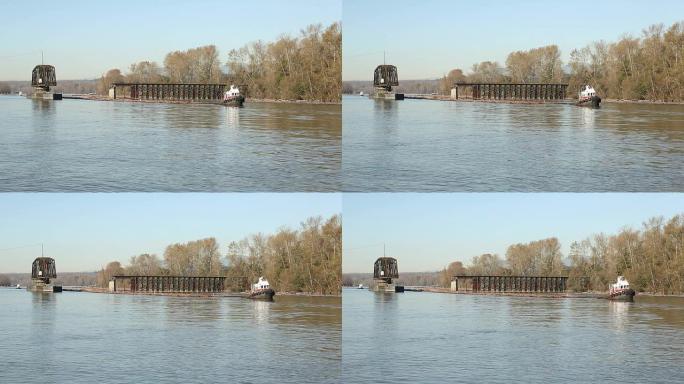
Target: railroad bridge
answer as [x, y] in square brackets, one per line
[519, 284]
[168, 284]
[509, 91]
[169, 92]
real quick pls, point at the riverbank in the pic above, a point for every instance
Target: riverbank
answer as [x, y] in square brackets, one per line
[415, 96]
[213, 102]
[645, 102]
[574, 295]
[195, 294]
[559, 295]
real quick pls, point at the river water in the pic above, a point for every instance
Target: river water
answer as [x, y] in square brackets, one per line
[100, 146]
[442, 338]
[99, 338]
[426, 145]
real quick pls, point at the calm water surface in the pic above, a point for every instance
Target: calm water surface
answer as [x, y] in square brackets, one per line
[78, 145]
[441, 338]
[423, 145]
[98, 338]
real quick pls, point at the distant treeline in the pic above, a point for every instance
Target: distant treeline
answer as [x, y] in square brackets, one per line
[307, 67]
[422, 279]
[63, 278]
[304, 260]
[649, 67]
[425, 86]
[652, 259]
[63, 86]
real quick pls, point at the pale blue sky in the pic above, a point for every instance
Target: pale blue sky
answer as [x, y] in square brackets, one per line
[82, 232]
[85, 38]
[427, 231]
[426, 39]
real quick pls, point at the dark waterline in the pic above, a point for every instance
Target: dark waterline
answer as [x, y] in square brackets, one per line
[425, 145]
[91, 146]
[444, 338]
[100, 338]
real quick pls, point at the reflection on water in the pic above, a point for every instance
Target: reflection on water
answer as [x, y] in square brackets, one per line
[619, 311]
[85, 337]
[588, 117]
[233, 117]
[425, 145]
[427, 337]
[261, 310]
[77, 145]
[45, 108]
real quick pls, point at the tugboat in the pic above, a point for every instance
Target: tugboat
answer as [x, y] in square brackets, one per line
[233, 98]
[588, 97]
[261, 290]
[620, 291]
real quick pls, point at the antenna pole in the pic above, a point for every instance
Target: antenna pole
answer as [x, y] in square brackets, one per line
[41, 58]
[383, 250]
[41, 250]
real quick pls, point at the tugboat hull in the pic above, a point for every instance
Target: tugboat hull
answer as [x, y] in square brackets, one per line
[234, 102]
[593, 102]
[626, 295]
[266, 294]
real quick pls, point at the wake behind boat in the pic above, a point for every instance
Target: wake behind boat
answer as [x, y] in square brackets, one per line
[261, 290]
[233, 97]
[620, 290]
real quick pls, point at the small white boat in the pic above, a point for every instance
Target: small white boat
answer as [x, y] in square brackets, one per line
[620, 290]
[18, 286]
[361, 93]
[261, 290]
[20, 93]
[588, 97]
[360, 286]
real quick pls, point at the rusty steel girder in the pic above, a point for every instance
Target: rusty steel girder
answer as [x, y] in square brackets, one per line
[43, 76]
